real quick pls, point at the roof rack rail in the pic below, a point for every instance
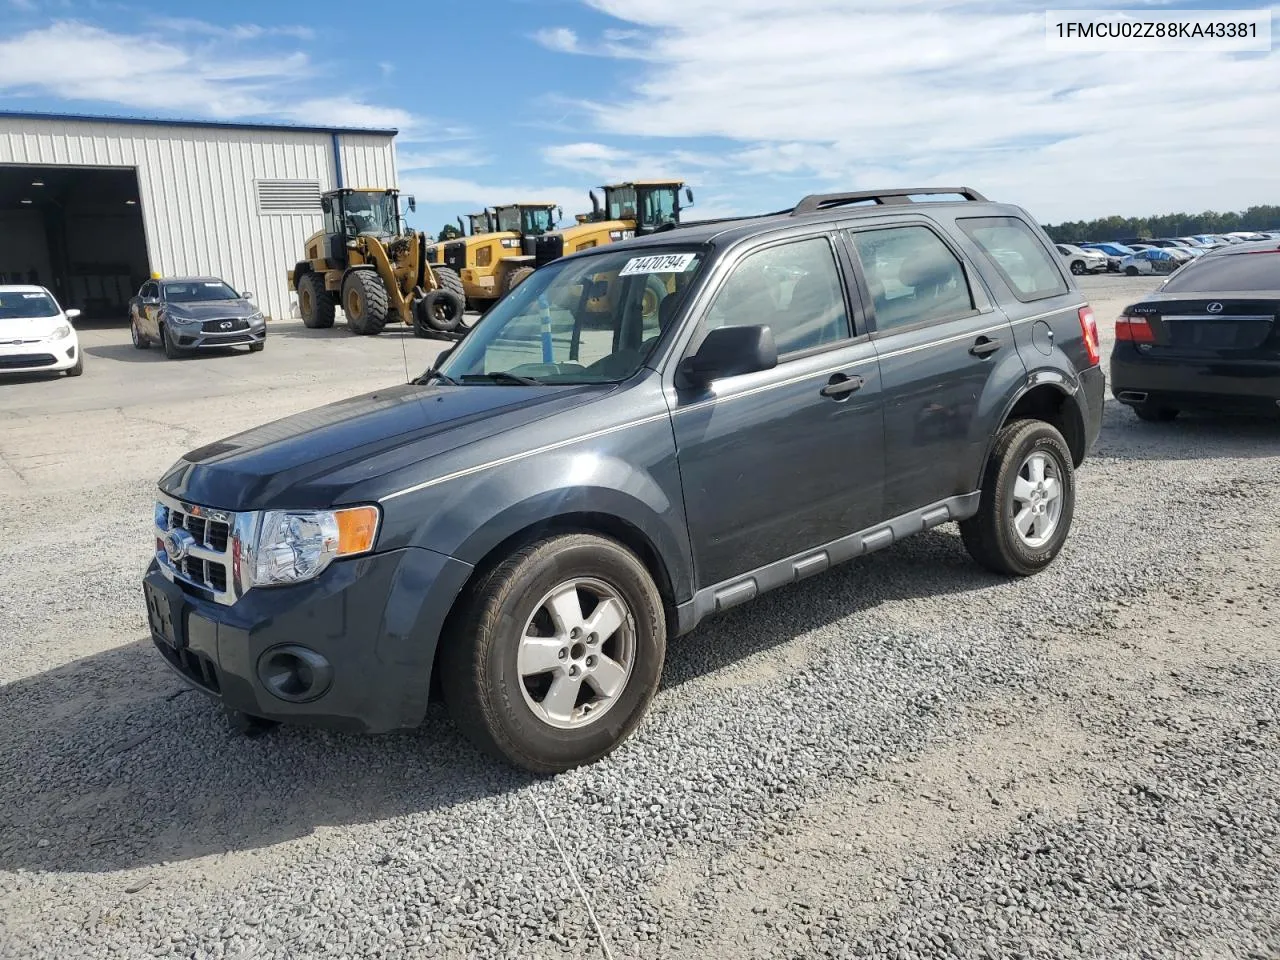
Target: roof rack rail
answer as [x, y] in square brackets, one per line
[671, 225]
[823, 201]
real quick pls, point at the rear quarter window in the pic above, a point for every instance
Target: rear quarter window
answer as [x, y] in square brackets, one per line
[1018, 256]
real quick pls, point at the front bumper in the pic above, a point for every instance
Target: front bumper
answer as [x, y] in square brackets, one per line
[44, 356]
[1239, 386]
[373, 620]
[193, 338]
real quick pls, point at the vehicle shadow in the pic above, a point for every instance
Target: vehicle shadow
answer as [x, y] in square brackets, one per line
[1192, 436]
[111, 763]
[128, 353]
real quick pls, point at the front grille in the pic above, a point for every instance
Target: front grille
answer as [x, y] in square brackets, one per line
[455, 255]
[216, 326]
[28, 360]
[196, 667]
[207, 564]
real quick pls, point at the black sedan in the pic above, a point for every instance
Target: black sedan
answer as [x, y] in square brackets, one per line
[1208, 338]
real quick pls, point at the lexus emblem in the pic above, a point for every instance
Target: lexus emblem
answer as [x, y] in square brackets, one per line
[1214, 307]
[227, 324]
[177, 544]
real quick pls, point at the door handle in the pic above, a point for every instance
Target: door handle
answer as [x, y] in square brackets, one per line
[840, 386]
[984, 347]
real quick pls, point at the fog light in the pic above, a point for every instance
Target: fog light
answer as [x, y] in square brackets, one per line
[293, 673]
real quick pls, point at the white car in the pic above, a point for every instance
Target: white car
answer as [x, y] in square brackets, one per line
[36, 335]
[1081, 260]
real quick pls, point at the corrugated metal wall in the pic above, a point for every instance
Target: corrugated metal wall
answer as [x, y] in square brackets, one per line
[196, 184]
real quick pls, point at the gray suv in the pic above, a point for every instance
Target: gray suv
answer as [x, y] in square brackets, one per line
[637, 437]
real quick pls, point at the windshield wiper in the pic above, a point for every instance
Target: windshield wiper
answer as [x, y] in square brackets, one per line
[434, 375]
[502, 376]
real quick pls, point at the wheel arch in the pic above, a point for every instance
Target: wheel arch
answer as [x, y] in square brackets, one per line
[1048, 395]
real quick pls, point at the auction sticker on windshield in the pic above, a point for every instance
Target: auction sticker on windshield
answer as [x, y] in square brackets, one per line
[663, 263]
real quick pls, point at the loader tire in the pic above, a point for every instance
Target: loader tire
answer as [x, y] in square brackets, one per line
[440, 311]
[364, 301]
[517, 277]
[314, 303]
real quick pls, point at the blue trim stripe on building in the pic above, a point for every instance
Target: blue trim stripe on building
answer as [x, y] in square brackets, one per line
[215, 124]
[337, 161]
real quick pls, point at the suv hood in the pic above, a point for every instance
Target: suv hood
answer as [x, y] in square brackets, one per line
[213, 309]
[303, 461]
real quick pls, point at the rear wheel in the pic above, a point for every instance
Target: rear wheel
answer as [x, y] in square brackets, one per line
[1028, 500]
[1154, 412]
[558, 654]
[140, 342]
[314, 304]
[1130, 271]
[517, 277]
[365, 303]
[1077, 267]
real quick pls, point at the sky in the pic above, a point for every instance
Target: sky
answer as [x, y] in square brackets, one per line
[753, 103]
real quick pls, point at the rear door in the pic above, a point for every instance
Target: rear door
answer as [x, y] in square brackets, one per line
[944, 349]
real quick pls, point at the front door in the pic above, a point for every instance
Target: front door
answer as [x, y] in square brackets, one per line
[940, 343]
[779, 461]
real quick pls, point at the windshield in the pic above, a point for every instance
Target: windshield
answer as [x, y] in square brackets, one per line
[509, 219]
[536, 221]
[369, 213]
[197, 291]
[26, 306]
[589, 320]
[1229, 273]
[658, 206]
[478, 224]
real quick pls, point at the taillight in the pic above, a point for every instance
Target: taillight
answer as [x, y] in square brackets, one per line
[1134, 330]
[1089, 327]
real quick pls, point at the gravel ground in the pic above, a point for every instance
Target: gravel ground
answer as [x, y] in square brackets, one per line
[904, 757]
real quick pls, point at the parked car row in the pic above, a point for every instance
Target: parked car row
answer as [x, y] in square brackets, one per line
[1144, 255]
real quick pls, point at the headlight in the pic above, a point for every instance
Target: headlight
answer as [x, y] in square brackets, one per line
[61, 333]
[256, 318]
[179, 319]
[294, 546]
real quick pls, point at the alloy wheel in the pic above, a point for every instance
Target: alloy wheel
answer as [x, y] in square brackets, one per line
[1037, 499]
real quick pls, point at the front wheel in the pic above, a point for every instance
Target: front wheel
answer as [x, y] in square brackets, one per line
[1028, 500]
[558, 654]
[171, 349]
[517, 277]
[140, 342]
[1077, 267]
[1130, 271]
[365, 302]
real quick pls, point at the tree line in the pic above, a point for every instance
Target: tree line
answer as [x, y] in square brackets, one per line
[1167, 225]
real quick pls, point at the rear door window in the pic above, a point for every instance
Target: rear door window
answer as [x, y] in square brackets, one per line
[913, 277]
[1019, 257]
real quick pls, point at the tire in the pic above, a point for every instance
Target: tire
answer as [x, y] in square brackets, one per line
[140, 342]
[440, 311]
[1130, 271]
[449, 280]
[248, 725]
[364, 301]
[78, 369]
[314, 303]
[171, 350]
[481, 661]
[992, 535]
[1077, 267]
[517, 277]
[257, 347]
[1154, 413]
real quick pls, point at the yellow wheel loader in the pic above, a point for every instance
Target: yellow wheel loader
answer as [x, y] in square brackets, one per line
[481, 222]
[493, 261]
[368, 263]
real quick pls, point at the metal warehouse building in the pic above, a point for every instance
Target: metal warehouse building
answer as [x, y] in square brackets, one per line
[90, 207]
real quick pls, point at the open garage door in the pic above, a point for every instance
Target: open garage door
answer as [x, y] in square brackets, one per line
[77, 231]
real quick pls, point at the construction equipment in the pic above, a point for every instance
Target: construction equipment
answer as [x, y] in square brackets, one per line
[630, 209]
[492, 262]
[367, 261]
[482, 222]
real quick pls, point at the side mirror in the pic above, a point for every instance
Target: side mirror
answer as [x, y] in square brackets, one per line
[246, 295]
[443, 355]
[729, 352]
[413, 204]
[559, 214]
[688, 195]
[72, 313]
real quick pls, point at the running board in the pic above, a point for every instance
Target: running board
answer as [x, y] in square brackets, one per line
[722, 596]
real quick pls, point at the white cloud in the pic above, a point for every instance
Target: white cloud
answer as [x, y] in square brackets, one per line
[432, 159]
[613, 43]
[560, 39]
[609, 164]
[141, 72]
[934, 91]
[189, 26]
